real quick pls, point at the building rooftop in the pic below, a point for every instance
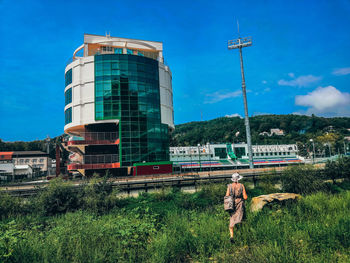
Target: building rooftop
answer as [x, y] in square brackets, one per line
[99, 45]
[28, 153]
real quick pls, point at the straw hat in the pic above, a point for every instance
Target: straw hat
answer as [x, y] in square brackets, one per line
[236, 177]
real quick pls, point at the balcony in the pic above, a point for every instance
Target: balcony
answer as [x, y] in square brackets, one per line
[94, 138]
[105, 161]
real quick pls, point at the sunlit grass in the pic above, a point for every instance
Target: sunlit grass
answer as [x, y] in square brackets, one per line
[172, 226]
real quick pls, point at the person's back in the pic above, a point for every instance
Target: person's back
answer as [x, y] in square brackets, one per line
[238, 191]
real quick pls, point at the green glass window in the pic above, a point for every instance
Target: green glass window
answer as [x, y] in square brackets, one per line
[118, 51]
[240, 151]
[68, 116]
[68, 77]
[221, 153]
[68, 96]
[127, 88]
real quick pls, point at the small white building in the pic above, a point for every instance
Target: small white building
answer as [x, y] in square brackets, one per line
[23, 170]
[231, 151]
[277, 132]
[6, 170]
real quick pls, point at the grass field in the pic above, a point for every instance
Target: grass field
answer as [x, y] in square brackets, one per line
[172, 226]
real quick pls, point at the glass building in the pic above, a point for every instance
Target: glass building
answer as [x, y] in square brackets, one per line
[118, 104]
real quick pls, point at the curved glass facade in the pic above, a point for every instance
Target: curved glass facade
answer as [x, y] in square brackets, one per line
[68, 116]
[68, 77]
[127, 88]
[68, 96]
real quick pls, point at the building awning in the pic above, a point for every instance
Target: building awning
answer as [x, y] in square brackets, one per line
[22, 167]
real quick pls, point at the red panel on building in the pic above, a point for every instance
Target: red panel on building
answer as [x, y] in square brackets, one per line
[76, 166]
[153, 169]
[6, 156]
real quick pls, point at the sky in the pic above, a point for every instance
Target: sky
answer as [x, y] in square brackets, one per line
[299, 62]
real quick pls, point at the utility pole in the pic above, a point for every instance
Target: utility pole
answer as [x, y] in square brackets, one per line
[313, 155]
[199, 158]
[345, 151]
[240, 43]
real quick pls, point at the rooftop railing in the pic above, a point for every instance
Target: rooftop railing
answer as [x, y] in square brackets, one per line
[100, 136]
[100, 159]
[94, 138]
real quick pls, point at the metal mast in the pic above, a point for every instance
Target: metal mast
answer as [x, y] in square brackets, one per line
[240, 43]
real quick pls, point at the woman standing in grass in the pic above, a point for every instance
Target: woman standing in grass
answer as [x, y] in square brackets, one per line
[238, 191]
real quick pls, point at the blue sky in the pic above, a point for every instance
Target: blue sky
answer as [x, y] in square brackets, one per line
[299, 62]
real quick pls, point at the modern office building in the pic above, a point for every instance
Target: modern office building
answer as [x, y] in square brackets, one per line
[118, 104]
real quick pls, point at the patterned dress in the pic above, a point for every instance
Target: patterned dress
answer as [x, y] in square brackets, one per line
[237, 216]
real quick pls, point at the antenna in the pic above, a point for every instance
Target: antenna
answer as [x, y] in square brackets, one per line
[238, 29]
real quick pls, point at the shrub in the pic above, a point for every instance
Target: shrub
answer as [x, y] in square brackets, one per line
[302, 180]
[267, 181]
[214, 193]
[10, 236]
[97, 195]
[57, 198]
[10, 205]
[174, 243]
[338, 169]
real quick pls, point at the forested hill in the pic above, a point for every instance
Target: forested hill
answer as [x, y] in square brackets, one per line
[297, 128]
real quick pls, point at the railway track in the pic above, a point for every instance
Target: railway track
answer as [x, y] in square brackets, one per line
[128, 184]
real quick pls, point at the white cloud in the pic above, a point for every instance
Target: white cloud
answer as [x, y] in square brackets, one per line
[301, 81]
[267, 89]
[292, 75]
[341, 71]
[219, 96]
[264, 82]
[233, 115]
[327, 101]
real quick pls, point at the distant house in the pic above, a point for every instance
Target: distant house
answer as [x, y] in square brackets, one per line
[23, 164]
[273, 132]
[38, 160]
[276, 132]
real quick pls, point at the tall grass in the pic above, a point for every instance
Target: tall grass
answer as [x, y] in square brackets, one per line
[172, 226]
[314, 230]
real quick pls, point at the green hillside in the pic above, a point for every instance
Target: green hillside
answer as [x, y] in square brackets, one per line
[297, 128]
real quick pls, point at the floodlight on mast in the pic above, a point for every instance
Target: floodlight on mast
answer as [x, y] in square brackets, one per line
[240, 43]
